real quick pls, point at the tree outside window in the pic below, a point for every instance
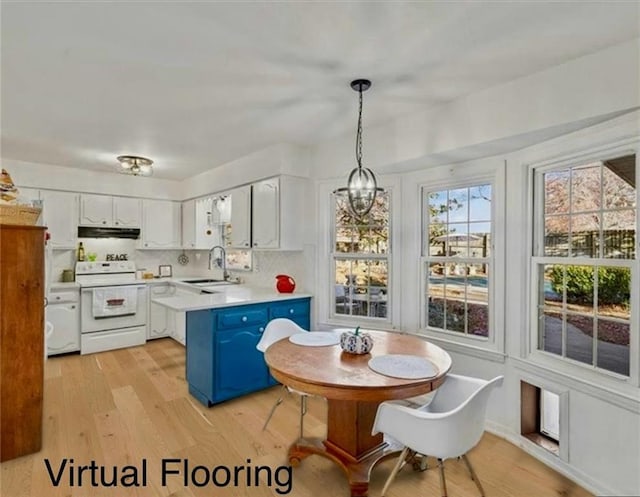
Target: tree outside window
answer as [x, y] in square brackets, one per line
[361, 253]
[457, 251]
[587, 249]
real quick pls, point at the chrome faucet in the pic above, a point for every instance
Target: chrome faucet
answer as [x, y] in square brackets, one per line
[225, 274]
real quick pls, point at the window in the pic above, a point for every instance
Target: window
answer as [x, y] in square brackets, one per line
[361, 261]
[585, 252]
[457, 255]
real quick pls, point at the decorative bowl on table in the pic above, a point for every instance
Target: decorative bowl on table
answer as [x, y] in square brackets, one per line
[356, 342]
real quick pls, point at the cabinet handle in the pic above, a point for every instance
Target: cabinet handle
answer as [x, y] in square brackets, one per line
[58, 297]
[117, 223]
[73, 306]
[104, 222]
[255, 244]
[146, 244]
[291, 311]
[244, 318]
[246, 244]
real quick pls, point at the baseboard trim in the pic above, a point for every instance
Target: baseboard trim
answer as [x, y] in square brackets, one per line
[554, 462]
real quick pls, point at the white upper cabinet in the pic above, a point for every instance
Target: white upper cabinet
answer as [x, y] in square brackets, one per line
[126, 212]
[266, 214]
[161, 220]
[240, 236]
[204, 221]
[108, 211]
[189, 224]
[96, 210]
[60, 212]
[278, 213]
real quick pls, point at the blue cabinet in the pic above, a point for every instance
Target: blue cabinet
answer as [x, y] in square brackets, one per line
[222, 359]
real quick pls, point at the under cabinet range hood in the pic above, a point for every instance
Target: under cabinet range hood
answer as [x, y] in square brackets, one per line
[97, 232]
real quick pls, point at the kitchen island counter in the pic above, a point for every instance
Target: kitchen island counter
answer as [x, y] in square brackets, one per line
[225, 296]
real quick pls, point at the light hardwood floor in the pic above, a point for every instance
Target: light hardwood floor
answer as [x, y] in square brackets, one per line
[123, 406]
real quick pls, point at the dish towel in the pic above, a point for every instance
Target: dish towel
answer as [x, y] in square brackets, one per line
[109, 302]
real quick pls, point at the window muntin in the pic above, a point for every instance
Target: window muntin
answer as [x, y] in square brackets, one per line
[584, 265]
[457, 250]
[361, 255]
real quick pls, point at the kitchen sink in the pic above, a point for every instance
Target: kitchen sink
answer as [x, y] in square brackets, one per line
[204, 282]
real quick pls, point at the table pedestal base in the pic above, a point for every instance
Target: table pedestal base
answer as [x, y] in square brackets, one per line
[358, 471]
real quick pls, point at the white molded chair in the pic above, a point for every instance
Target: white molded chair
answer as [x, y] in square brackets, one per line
[449, 426]
[276, 330]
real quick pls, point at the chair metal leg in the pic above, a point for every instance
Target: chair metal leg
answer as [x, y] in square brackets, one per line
[303, 411]
[273, 409]
[474, 476]
[399, 464]
[443, 482]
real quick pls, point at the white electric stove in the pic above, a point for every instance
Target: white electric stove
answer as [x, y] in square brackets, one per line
[113, 306]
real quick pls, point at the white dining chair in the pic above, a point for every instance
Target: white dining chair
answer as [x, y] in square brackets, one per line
[279, 329]
[449, 426]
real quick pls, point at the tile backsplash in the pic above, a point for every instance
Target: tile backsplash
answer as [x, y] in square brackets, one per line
[266, 265]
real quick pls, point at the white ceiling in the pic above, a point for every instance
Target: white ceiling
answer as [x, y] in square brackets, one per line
[195, 85]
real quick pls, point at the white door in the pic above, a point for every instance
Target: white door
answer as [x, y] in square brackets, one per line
[126, 212]
[60, 214]
[240, 217]
[96, 210]
[266, 214]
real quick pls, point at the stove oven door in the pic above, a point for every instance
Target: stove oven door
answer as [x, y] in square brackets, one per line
[113, 317]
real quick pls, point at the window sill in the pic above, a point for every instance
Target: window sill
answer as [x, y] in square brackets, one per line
[363, 322]
[603, 387]
[464, 348]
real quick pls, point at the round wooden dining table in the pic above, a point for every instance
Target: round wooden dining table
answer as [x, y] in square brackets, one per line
[353, 392]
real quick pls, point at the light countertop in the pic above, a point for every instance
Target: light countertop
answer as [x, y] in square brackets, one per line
[64, 285]
[229, 295]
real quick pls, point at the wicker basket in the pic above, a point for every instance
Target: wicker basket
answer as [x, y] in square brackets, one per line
[19, 214]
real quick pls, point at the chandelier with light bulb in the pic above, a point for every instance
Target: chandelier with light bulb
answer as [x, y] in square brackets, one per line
[362, 186]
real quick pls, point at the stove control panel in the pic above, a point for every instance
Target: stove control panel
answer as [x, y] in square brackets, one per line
[102, 267]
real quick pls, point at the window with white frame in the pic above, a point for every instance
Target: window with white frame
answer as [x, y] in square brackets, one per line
[457, 237]
[584, 257]
[361, 254]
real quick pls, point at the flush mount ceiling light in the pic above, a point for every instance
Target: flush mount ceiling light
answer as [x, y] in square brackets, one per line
[362, 186]
[135, 165]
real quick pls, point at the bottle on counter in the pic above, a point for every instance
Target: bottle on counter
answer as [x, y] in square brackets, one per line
[80, 252]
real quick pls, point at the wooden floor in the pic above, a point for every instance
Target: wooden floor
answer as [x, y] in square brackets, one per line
[123, 406]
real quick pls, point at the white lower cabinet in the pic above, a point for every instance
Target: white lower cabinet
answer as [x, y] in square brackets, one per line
[165, 322]
[63, 312]
[180, 330]
[159, 320]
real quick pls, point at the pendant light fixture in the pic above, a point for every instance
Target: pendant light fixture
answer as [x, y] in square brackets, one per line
[362, 186]
[135, 165]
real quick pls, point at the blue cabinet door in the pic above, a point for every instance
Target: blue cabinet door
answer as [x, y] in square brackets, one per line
[240, 367]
